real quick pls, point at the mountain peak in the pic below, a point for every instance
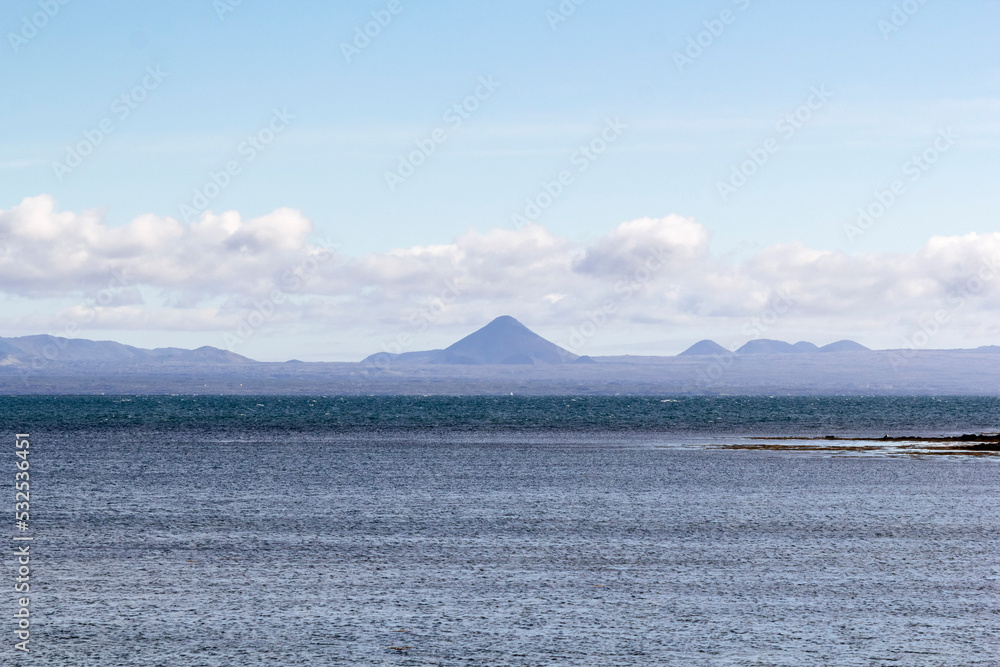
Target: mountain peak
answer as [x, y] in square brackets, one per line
[844, 346]
[505, 322]
[702, 348]
[503, 341]
[767, 346]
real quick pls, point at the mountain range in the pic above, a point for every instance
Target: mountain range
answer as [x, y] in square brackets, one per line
[54, 349]
[768, 346]
[500, 358]
[502, 341]
[507, 341]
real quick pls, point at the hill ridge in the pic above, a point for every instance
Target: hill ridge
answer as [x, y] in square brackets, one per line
[27, 350]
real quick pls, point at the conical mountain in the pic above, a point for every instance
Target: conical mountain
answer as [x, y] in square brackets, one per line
[703, 348]
[502, 341]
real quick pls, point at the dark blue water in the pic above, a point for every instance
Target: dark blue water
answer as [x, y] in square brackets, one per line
[503, 531]
[754, 415]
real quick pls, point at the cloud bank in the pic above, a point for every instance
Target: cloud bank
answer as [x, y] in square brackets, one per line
[653, 274]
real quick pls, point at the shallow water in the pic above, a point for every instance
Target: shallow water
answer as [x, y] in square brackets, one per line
[236, 541]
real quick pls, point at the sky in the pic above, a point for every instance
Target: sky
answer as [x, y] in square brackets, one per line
[327, 180]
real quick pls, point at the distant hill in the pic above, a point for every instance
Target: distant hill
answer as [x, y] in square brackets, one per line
[767, 346]
[703, 348]
[502, 341]
[502, 358]
[54, 349]
[844, 346]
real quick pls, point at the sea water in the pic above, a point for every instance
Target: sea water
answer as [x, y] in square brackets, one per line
[502, 531]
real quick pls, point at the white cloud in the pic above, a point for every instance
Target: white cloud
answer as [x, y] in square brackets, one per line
[49, 253]
[676, 240]
[652, 275]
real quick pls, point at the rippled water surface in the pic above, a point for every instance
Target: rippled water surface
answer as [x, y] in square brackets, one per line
[392, 531]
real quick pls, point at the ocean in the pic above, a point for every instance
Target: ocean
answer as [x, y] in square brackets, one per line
[211, 530]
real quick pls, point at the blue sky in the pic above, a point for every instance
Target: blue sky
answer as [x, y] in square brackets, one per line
[348, 121]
